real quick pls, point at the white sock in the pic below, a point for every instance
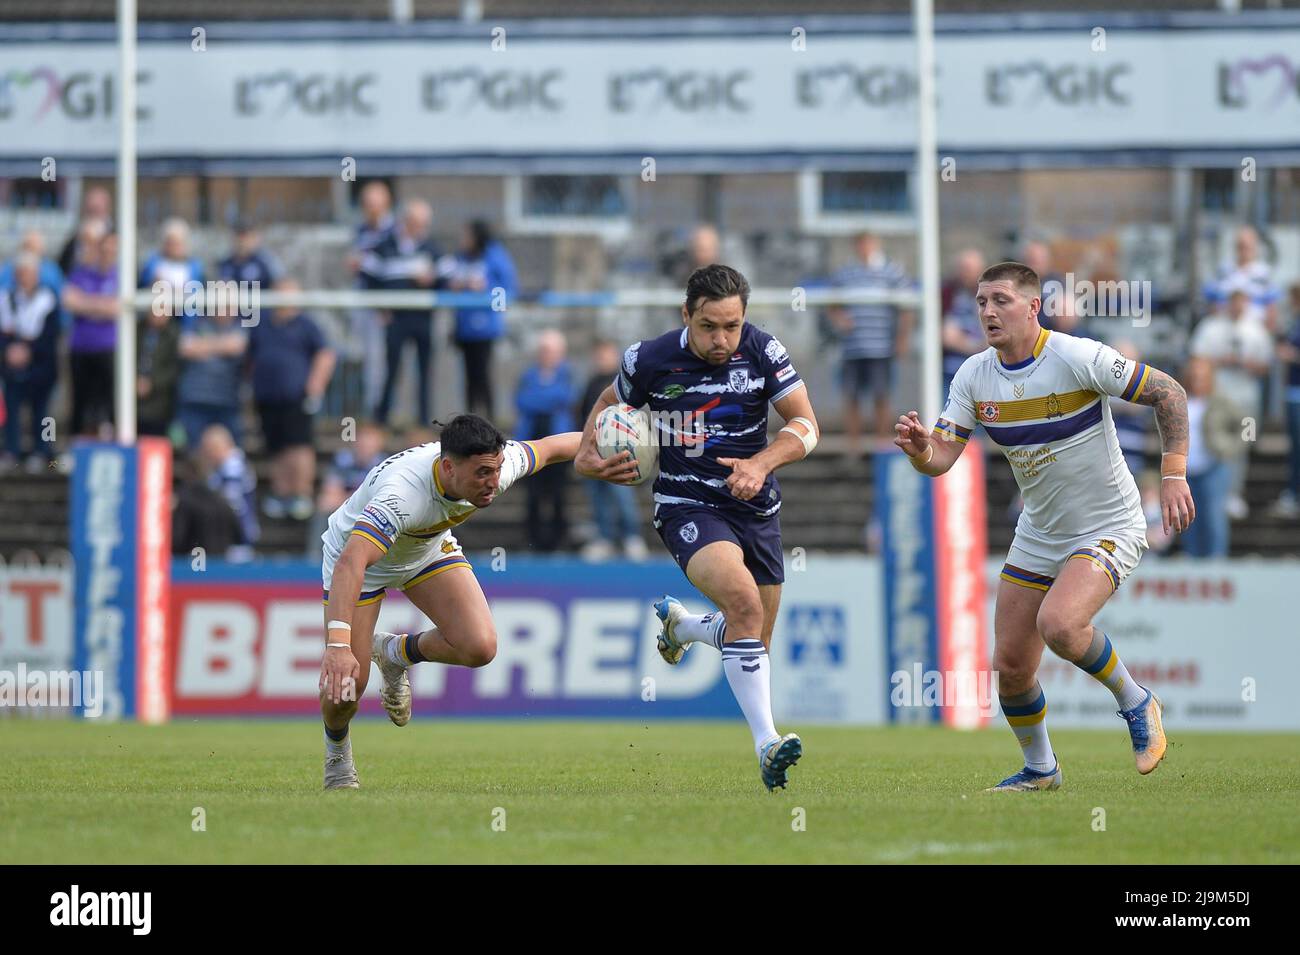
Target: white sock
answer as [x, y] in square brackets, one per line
[333, 749]
[746, 665]
[399, 651]
[1026, 714]
[710, 628]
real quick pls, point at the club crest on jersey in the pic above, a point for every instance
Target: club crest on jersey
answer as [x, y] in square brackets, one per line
[689, 532]
[989, 411]
[1053, 406]
[738, 379]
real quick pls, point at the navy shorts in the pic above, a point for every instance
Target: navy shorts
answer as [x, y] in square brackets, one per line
[684, 529]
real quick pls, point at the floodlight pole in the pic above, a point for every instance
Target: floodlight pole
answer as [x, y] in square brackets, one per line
[927, 224]
[126, 153]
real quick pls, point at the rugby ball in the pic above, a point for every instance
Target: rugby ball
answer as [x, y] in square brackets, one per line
[624, 428]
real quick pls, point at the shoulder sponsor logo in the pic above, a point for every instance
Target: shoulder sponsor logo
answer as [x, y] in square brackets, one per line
[629, 358]
[1107, 545]
[1118, 368]
[775, 351]
[379, 518]
[785, 373]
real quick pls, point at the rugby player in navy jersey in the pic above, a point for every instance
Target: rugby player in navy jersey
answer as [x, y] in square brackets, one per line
[716, 500]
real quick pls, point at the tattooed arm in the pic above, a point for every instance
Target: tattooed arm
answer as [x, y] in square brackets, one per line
[1170, 402]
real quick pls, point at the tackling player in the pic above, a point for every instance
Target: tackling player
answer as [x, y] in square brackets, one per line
[396, 531]
[716, 500]
[1043, 398]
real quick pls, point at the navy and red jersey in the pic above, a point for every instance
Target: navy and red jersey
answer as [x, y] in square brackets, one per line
[702, 412]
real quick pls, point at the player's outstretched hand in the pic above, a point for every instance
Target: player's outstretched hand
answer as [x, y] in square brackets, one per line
[1177, 509]
[338, 674]
[910, 435]
[618, 468]
[746, 477]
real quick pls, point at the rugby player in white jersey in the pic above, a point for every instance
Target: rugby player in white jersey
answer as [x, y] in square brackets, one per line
[396, 531]
[1043, 398]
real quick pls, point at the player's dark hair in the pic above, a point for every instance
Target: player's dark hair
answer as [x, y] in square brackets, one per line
[1018, 274]
[467, 435]
[713, 283]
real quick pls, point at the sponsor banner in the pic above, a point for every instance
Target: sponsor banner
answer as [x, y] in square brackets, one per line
[121, 541]
[905, 510]
[574, 639]
[1215, 639]
[845, 93]
[36, 616]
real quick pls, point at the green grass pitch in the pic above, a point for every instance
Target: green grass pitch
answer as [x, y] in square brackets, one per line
[629, 792]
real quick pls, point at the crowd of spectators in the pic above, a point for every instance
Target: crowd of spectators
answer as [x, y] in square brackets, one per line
[215, 384]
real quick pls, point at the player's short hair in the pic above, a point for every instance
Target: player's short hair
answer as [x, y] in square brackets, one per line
[467, 435]
[1018, 274]
[713, 283]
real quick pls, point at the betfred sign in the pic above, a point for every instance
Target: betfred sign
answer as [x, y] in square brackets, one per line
[570, 641]
[121, 543]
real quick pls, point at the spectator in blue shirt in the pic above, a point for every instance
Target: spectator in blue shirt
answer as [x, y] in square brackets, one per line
[872, 337]
[50, 275]
[171, 264]
[208, 392]
[482, 264]
[544, 400]
[292, 365]
[248, 261]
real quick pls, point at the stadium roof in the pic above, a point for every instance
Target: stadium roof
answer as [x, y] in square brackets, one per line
[212, 10]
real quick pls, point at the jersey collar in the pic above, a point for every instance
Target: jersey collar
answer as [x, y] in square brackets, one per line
[437, 479]
[1038, 350]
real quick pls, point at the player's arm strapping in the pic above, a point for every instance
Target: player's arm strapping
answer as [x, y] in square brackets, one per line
[794, 442]
[1155, 388]
[339, 663]
[617, 469]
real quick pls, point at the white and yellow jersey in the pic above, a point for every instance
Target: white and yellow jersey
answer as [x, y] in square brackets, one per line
[402, 509]
[1050, 414]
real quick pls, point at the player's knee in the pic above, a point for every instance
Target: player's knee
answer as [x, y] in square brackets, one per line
[1015, 676]
[744, 614]
[481, 651]
[1056, 627]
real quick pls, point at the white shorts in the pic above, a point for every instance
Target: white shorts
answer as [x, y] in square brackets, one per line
[1035, 561]
[441, 554]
